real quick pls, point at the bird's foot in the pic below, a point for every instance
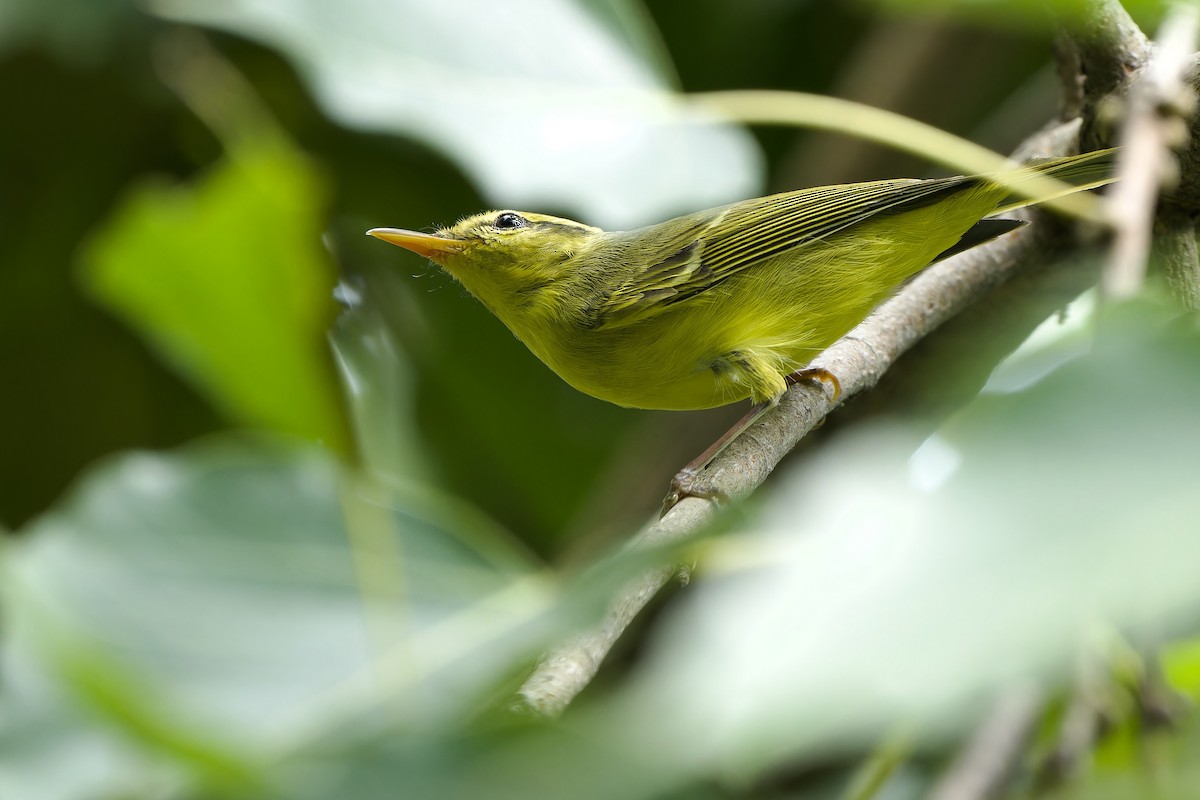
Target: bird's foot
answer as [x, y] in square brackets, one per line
[816, 374]
[688, 483]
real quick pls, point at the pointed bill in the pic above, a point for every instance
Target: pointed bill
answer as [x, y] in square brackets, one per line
[435, 248]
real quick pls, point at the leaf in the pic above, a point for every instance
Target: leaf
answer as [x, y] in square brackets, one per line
[1047, 14]
[78, 30]
[238, 598]
[227, 279]
[557, 102]
[894, 583]
[244, 613]
[1181, 666]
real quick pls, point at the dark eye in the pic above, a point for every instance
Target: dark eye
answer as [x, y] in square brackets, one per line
[508, 220]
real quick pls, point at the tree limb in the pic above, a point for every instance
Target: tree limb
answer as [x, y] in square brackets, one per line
[1111, 47]
[1112, 53]
[859, 360]
[1174, 251]
[1157, 101]
[986, 765]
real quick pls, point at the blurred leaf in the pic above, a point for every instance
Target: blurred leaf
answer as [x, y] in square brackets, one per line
[1025, 13]
[208, 615]
[1181, 666]
[77, 30]
[881, 593]
[379, 389]
[1172, 773]
[510, 762]
[80, 383]
[542, 104]
[228, 280]
[214, 597]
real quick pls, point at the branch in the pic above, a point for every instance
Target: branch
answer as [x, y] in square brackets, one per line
[994, 753]
[1115, 59]
[1081, 727]
[1158, 100]
[1111, 49]
[1174, 251]
[1113, 56]
[859, 360]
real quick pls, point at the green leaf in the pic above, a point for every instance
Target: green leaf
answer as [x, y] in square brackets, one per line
[1048, 14]
[244, 613]
[893, 582]
[1181, 666]
[239, 598]
[78, 30]
[228, 280]
[558, 102]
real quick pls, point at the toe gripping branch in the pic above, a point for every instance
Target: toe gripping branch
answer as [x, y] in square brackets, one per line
[687, 482]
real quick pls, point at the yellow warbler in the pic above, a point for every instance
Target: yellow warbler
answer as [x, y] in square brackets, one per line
[724, 304]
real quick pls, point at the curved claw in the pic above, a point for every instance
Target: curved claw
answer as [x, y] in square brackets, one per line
[817, 374]
[687, 483]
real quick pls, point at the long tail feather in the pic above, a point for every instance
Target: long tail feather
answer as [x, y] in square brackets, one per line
[1081, 172]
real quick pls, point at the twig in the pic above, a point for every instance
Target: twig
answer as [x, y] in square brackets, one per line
[1158, 100]
[1112, 48]
[820, 112]
[1081, 727]
[871, 778]
[994, 753]
[1070, 74]
[1114, 56]
[1175, 252]
[859, 360]
[565, 671]
[1113, 53]
[1159, 706]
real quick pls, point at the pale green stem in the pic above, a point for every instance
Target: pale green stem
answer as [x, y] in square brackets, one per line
[771, 107]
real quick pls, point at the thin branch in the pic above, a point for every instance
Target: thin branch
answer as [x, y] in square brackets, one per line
[1082, 726]
[1110, 51]
[1070, 74]
[820, 112]
[1113, 53]
[1175, 252]
[1157, 101]
[994, 753]
[565, 671]
[1112, 48]
[1159, 706]
[870, 779]
[859, 360]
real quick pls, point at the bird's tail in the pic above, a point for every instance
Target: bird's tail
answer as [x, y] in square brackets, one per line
[1076, 173]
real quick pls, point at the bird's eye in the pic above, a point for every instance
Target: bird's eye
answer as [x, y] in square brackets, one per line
[508, 221]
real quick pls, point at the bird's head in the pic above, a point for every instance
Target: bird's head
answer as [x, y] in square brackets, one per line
[510, 260]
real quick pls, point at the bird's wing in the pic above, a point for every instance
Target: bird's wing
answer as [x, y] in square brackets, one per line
[704, 250]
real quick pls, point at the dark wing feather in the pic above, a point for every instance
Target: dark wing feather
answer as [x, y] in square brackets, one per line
[983, 231]
[700, 251]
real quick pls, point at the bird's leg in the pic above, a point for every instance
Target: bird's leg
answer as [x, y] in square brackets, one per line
[686, 482]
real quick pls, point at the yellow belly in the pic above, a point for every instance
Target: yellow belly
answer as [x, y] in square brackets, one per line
[775, 316]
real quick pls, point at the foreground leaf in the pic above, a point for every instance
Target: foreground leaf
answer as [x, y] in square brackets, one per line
[557, 102]
[194, 616]
[228, 280]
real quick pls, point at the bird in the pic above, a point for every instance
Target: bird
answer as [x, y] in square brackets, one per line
[727, 303]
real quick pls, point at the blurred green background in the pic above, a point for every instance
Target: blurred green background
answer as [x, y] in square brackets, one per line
[393, 107]
[289, 514]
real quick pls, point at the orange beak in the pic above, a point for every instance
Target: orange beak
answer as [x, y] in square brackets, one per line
[435, 248]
